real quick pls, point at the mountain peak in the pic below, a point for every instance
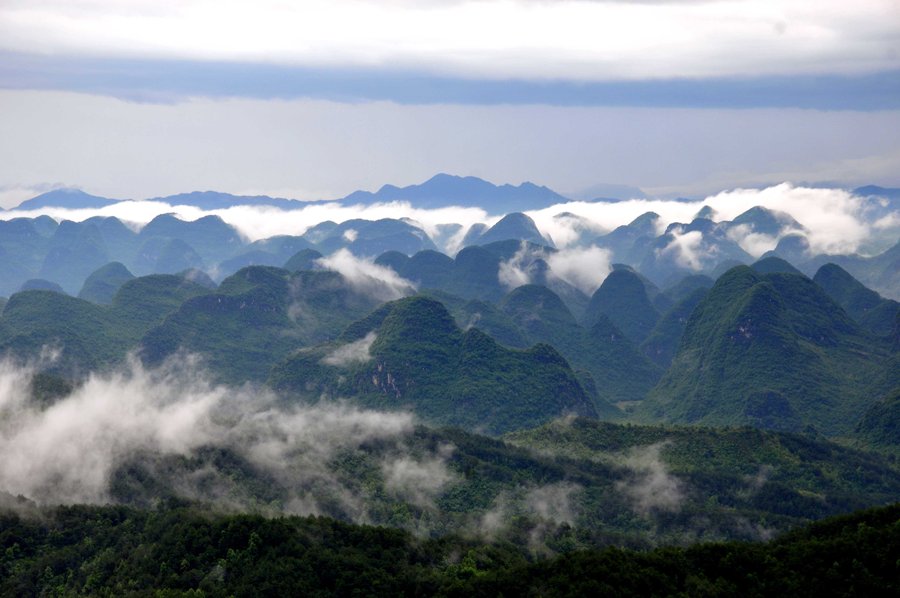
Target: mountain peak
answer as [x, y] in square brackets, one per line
[67, 197]
[443, 190]
[514, 225]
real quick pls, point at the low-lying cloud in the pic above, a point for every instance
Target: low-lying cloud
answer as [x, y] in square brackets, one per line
[834, 221]
[367, 277]
[686, 250]
[651, 487]
[585, 268]
[351, 353]
[546, 506]
[71, 450]
[419, 480]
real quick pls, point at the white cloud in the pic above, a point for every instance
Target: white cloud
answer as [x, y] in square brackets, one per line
[686, 249]
[355, 352]
[513, 272]
[585, 268]
[544, 40]
[68, 452]
[753, 243]
[835, 220]
[367, 277]
[650, 486]
[419, 480]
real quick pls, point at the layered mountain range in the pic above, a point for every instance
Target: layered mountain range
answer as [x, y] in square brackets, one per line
[642, 385]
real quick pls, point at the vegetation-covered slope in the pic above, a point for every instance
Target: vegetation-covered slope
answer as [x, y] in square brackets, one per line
[412, 354]
[619, 371]
[90, 336]
[256, 317]
[177, 551]
[772, 351]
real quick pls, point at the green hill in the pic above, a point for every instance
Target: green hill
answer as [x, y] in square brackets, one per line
[880, 426]
[412, 355]
[89, 336]
[864, 305]
[623, 299]
[772, 351]
[662, 342]
[619, 371]
[103, 284]
[744, 468]
[255, 318]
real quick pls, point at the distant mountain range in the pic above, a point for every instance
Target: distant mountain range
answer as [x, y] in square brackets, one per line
[442, 190]
[446, 190]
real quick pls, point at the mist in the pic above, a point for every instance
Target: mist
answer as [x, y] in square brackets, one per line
[585, 268]
[161, 420]
[650, 487]
[367, 277]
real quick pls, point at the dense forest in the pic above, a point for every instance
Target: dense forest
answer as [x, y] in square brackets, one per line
[180, 550]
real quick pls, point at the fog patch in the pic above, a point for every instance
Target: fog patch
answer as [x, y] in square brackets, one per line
[585, 268]
[753, 243]
[66, 452]
[547, 507]
[419, 480]
[650, 486]
[513, 273]
[686, 249]
[472, 322]
[351, 353]
[755, 482]
[366, 277]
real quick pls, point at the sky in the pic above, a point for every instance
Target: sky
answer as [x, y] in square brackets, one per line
[316, 99]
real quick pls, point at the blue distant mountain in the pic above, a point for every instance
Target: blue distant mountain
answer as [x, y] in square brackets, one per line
[204, 200]
[214, 200]
[444, 190]
[888, 192]
[65, 198]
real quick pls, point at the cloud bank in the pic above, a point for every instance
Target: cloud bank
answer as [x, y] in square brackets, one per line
[834, 221]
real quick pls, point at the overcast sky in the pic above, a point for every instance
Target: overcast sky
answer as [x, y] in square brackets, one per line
[316, 99]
